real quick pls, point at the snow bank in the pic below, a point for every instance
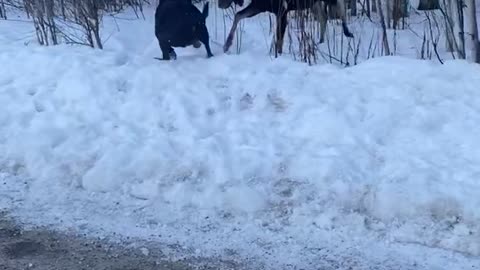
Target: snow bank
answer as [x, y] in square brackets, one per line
[246, 150]
[394, 139]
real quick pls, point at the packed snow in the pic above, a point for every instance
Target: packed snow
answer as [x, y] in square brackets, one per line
[268, 161]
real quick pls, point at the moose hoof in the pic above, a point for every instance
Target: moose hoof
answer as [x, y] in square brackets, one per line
[228, 43]
[226, 46]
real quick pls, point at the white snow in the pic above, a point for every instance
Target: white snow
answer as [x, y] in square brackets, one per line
[285, 164]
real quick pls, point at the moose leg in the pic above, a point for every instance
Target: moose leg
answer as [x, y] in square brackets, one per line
[247, 12]
[281, 27]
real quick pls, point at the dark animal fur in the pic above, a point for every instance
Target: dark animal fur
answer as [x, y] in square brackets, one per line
[178, 23]
[278, 7]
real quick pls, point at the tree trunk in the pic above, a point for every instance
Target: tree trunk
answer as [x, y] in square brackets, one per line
[3, 11]
[384, 28]
[477, 51]
[91, 23]
[472, 13]
[388, 12]
[353, 7]
[461, 32]
[368, 8]
[50, 19]
[38, 15]
[448, 11]
[62, 6]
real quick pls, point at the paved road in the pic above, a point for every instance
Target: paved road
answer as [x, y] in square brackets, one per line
[42, 249]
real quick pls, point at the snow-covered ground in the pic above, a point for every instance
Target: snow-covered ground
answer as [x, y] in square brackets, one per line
[267, 161]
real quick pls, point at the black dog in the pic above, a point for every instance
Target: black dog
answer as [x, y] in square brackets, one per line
[178, 23]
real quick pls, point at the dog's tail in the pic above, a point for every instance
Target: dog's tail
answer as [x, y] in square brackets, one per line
[205, 10]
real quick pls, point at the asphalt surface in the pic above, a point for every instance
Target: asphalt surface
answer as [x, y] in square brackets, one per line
[40, 248]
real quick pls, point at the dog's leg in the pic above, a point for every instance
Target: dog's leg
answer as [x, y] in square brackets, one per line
[207, 47]
[172, 53]
[248, 12]
[166, 50]
[204, 37]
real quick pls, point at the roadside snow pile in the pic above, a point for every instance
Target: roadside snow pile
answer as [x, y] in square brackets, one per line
[243, 149]
[392, 139]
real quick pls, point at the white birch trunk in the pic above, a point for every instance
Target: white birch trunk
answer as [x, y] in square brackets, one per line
[472, 15]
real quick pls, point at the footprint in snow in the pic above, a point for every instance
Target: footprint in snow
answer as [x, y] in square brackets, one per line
[246, 102]
[5, 81]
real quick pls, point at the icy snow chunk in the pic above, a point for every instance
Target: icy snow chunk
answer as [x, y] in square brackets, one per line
[243, 198]
[108, 173]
